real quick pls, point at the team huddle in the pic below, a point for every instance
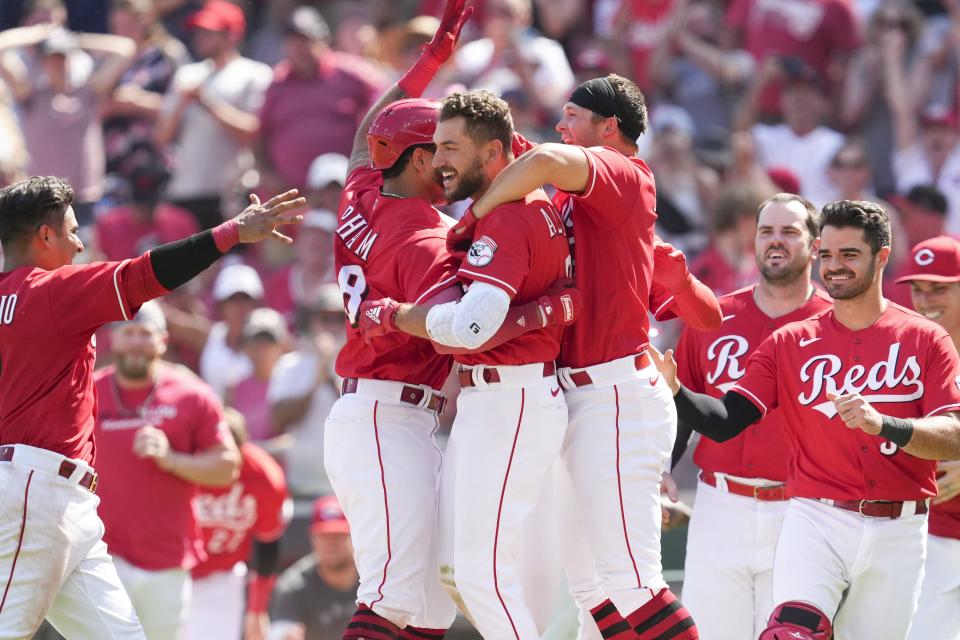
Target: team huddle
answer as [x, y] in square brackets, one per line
[822, 413]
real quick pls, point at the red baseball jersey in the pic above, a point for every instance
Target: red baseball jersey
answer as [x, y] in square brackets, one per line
[945, 519]
[904, 365]
[257, 506]
[390, 247]
[47, 349]
[611, 244]
[712, 361]
[147, 512]
[521, 247]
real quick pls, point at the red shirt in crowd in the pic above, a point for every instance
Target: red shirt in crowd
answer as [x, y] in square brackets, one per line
[256, 506]
[147, 512]
[646, 23]
[121, 233]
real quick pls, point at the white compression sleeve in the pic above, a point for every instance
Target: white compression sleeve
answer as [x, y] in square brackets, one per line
[472, 320]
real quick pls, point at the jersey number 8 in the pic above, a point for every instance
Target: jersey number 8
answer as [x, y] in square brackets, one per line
[353, 286]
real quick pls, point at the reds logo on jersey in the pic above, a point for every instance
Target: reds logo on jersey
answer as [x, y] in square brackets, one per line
[882, 379]
[231, 510]
[726, 352]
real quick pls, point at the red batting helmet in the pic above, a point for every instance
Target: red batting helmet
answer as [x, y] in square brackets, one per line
[398, 127]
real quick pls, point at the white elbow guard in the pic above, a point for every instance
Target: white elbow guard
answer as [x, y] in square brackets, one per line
[473, 320]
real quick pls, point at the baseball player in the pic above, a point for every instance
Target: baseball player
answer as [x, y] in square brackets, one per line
[859, 480]
[160, 433]
[53, 561]
[621, 426]
[510, 415]
[742, 497]
[933, 273]
[248, 516]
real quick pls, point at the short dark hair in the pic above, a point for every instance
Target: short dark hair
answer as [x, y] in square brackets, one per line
[631, 97]
[30, 203]
[487, 116]
[861, 214]
[404, 159]
[812, 219]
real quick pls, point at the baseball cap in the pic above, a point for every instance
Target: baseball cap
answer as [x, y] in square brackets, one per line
[785, 179]
[798, 72]
[326, 169]
[320, 219]
[59, 41]
[307, 22]
[237, 278]
[326, 298]
[927, 197]
[938, 114]
[934, 260]
[265, 322]
[219, 15]
[151, 314]
[668, 117]
[328, 516]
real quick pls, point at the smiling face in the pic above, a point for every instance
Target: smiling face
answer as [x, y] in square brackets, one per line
[64, 242]
[577, 126]
[848, 267]
[459, 159]
[783, 245]
[938, 301]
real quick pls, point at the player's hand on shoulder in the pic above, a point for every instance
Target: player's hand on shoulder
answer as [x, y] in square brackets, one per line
[561, 304]
[150, 442]
[460, 235]
[857, 413]
[375, 317]
[948, 481]
[260, 221]
[666, 365]
[670, 267]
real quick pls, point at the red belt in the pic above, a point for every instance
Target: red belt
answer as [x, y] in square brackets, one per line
[491, 375]
[582, 378]
[88, 481]
[409, 394]
[776, 493]
[879, 508]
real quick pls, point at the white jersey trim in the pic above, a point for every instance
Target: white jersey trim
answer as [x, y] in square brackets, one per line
[116, 287]
[943, 409]
[755, 399]
[491, 279]
[593, 176]
[664, 305]
[434, 287]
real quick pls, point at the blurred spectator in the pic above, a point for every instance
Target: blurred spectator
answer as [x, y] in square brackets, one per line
[303, 387]
[59, 101]
[264, 341]
[131, 113]
[922, 215]
[863, 106]
[849, 172]
[239, 523]
[819, 33]
[640, 27]
[685, 190]
[560, 20]
[237, 292]
[729, 262]
[316, 597]
[159, 432]
[13, 149]
[265, 43]
[801, 142]
[131, 229]
[209, 113]
[696, 73]
[511, 56]
[313, 105]
[313, 264]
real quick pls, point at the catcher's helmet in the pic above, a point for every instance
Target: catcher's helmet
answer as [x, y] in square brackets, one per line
[398, 127]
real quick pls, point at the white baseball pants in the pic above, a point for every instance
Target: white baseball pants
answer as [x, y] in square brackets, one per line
[217, 606]
[938, 615]
[53, 562]
[864, 573]
[618, 444]
[730, 548]
[161, 598]
[505, 441]
[384, 465]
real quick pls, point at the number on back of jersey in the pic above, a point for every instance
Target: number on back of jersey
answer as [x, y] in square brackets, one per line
[353, 286]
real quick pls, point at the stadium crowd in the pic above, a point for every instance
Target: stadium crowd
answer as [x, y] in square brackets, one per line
[165, 114]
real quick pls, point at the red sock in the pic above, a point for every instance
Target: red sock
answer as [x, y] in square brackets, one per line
[611, 624]
[662, 618]
[419, 633]
[367, 625]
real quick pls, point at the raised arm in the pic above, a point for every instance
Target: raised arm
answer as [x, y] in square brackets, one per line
[12, 70]
[117, 53]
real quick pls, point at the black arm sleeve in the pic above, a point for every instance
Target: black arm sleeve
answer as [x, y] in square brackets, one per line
[265, 557]
[717, 418]
[177, 262]
[680, 444]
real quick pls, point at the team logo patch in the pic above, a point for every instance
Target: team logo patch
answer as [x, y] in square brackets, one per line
[374, 314]
[924, 257]
[481, 252]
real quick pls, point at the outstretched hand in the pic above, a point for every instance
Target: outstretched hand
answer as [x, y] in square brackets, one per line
[444, 41]
[666, 365]
[260, 221]
[670, 267]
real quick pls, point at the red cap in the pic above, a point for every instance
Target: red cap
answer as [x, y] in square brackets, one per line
[328, 516]
[785, 179]
[938, 115]
[219, 15]
[935, 260]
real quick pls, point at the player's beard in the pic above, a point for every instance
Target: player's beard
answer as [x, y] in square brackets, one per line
[133, 367]
[786, 273]
[468, 183]
[850, 289]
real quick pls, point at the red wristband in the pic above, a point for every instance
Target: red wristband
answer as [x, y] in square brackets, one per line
[258, 593]
[227, 235]
[414, 82]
